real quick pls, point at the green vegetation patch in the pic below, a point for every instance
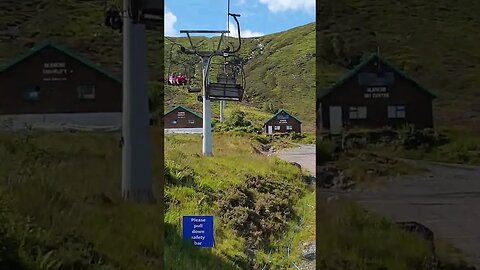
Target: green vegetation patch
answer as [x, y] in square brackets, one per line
[252, 197]
[352, 238]
[61, 205]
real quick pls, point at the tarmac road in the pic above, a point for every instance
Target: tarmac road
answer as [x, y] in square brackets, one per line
[304, 155]
[446, 199]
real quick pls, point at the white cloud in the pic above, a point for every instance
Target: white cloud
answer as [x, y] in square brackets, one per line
[241, 2]
[284, 5]
[169, 23]
[244, 33]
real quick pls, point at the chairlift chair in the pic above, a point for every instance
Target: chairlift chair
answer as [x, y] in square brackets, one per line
[184, 66]
[228, 85]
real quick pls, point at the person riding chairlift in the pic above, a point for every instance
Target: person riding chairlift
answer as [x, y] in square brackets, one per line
[181, 79]
[177, 80]
[172, 79]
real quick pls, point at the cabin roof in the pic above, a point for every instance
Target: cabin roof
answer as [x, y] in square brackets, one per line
[185, 108]
[277, 113]
[347, 76]
[62, 49]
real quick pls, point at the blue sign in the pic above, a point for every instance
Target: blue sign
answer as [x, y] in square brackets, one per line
[198, 230]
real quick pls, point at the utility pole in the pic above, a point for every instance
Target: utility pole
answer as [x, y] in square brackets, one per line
[136, 167]
[207, 111]
[222, 107]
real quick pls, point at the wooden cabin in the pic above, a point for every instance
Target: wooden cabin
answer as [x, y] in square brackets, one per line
[49, 85]
[282, 122]
[183, 120]
[375, 94]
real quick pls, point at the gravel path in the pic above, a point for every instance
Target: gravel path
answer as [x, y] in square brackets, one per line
[304, 155]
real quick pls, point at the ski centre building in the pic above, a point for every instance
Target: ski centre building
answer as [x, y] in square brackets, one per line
[282, 122]
[180, 119]
[52, 86]
[374, 94]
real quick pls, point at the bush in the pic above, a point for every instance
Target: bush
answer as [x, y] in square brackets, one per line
[422, 138]
[325, 151]
[235, 123]
[258, 209]
[237, 119]
[263, 139]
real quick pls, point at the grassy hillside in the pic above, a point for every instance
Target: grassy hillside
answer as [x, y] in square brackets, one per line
[75, 24]
[280, 72]
[435, 43]
[255, 200]
[60, 205]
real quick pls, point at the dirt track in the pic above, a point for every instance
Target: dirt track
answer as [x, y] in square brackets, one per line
[447, 200]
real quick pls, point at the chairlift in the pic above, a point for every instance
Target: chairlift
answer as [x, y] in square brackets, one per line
[230, 80]
[181, 72]
[230, 77]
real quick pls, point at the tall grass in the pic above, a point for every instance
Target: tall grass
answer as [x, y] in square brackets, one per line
[350, 238]
[66, 187]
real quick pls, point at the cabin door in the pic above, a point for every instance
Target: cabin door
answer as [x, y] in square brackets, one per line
[270, 129]
[336, 119]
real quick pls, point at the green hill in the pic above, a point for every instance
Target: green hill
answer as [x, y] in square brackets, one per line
[77, 25]
[279, 68]
[435, 43]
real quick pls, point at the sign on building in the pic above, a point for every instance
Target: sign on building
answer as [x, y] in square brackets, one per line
[376, 92]
[198, 230]
[55, 71]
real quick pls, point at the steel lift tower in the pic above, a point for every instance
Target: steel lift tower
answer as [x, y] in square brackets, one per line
[132, 21]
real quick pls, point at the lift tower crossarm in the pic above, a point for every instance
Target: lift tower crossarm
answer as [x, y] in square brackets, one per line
[194, 50]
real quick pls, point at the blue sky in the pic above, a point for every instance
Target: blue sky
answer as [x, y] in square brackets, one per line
[258, 17]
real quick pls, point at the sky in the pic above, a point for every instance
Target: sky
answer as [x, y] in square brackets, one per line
[258, 17]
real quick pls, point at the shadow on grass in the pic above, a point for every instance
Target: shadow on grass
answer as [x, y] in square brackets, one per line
[181, 254]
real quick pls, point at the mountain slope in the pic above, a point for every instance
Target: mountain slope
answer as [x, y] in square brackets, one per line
[280, 72]
[77, 25]
[437, 44]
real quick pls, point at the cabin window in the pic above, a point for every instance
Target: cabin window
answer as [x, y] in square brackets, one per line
[191, 121]
[32, 93]
[277, 127]
[396, 111]
[174, 122]
[358, 112]
[86, 92]
[181, 114]
[289, 128]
